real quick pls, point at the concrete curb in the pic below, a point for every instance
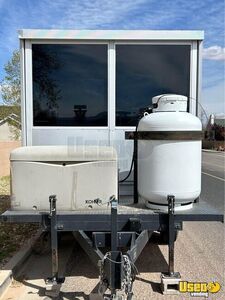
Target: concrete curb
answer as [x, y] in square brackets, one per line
[213, 151]
[6, 275]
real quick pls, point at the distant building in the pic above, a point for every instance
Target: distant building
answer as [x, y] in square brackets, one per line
[9, 123]
[215, 129]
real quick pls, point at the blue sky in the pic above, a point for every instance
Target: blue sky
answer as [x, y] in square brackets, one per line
[207, 15]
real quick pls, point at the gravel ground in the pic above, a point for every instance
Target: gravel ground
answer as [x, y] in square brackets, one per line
[12, 236]
[198, 257]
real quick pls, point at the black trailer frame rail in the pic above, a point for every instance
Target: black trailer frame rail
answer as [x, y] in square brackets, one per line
[118, 226]
[127, 215]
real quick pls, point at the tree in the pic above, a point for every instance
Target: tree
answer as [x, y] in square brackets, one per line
[10, 90]
[45, 87]
[11, 82]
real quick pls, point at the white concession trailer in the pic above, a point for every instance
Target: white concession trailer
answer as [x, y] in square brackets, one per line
[96, 104]
[89, 86]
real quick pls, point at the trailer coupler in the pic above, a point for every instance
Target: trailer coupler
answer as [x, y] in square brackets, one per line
[120, 283]
[116, 268]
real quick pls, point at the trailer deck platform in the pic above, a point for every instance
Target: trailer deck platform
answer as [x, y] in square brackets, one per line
[92, 220]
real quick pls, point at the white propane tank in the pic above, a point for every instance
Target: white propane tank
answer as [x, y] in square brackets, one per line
[169, 167]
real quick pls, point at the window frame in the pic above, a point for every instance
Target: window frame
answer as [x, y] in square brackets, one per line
[152, 44]
[192, 79]
[27, 81]
[71, 43]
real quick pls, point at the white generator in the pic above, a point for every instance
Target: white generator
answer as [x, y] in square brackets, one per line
[80, 176]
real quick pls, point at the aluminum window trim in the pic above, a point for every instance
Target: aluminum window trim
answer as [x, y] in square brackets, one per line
[53, 34]
[192, 78]
[28, 92]
[43, 42]
[71, 127]
[199, 79]
[140, 42]
[68, 42]
[23, 93]
[27, 80]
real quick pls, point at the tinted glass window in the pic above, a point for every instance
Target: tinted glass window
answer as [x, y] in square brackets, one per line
[145, 71]
[69, 85]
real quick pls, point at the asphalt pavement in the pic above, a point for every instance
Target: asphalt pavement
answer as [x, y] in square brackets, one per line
[213, 182]
[199, 255]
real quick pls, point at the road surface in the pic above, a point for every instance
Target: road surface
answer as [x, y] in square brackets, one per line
[199, 255]
[213, 166]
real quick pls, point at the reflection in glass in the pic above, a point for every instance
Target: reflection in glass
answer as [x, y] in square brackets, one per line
[144, 71]
[69, 85]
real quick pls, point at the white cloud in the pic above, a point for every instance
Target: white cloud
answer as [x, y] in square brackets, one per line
[220, 116]
[214, 53]
[213, 98]
[91, 14]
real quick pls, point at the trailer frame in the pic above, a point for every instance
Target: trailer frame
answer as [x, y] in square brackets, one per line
[129, 225]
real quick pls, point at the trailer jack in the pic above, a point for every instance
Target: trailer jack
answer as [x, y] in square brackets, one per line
[54, 282]
[170, 280]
